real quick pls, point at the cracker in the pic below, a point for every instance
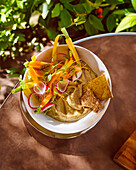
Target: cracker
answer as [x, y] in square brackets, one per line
[100, 87]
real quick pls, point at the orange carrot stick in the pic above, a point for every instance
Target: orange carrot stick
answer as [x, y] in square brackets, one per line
[27, 92]
[38, 64]
[32, 73]
[46, 100]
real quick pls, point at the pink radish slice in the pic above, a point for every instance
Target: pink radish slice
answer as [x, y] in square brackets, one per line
[62, 54]
[77, 75]
[47, 106]
[40, 87]
[33, 100]
[61, 86]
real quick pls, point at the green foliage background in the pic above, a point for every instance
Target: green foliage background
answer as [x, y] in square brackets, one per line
[26, 23]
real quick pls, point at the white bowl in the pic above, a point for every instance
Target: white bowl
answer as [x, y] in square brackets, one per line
[89, 120]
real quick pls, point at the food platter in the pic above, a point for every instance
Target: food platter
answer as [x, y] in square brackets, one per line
[55, 128]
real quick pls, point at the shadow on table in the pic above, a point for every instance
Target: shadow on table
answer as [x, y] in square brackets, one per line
[89, 143]
[74, 146]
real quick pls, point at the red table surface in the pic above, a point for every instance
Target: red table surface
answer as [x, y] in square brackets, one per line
[92, 150]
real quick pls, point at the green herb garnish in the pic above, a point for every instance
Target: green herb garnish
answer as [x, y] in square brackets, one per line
[75, 82]
[48, 78]
[21, 87]
[76, 75]
[61, 79]
[47, 90]
[55, 116]
[38, 110]
[45, 67]
[66, 57]
[29, 77]
[45, 76]
[26, 64]
[55, 92]
[55, 102]
[46, 111]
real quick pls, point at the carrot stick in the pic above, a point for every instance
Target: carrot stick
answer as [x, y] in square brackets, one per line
[55, 77]
[70, 45]
[38, 64]
[54, 51]
[32, 73]
[46, 100]
[27, 92]
[30, 84]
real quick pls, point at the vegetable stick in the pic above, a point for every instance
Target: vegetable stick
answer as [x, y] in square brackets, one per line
[70, 45]
[46, 100]
[54, 51]
[32, 73]
[38, 64]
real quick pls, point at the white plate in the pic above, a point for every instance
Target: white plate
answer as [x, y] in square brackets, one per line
[88, 121]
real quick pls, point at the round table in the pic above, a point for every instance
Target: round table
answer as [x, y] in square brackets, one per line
[23, 147]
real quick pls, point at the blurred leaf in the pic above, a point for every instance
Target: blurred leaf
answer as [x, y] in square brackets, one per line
[38, 47]
[134, 4]
[3, 18]
[79, 20]
[20, 3]
[56, 10]
[22, 25]
[96, 22]
[91, 30]
[127, 22]
[48, 1]
[21, 37]
[33, 21]
[15, 40]
[79, 8]
[133, 29]
[119, 12]
[14, 27]
[23, 71]
[115, 1]
[52, 33]
[33, 40]
[66, 18]
[98, 1]
[69, 7]
[11, 37]
[105, 11]
[111, 22]
[88, 7]
[3, 45]
[65, 1]
[12, 70]
[42, 22]
[44, 9]
[11, 2]
[13, 75]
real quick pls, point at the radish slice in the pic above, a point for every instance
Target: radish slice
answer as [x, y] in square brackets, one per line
[61, 86]
[77, 76]
[34, 100]
[47, 106]
[62, 54]
[40, 87]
